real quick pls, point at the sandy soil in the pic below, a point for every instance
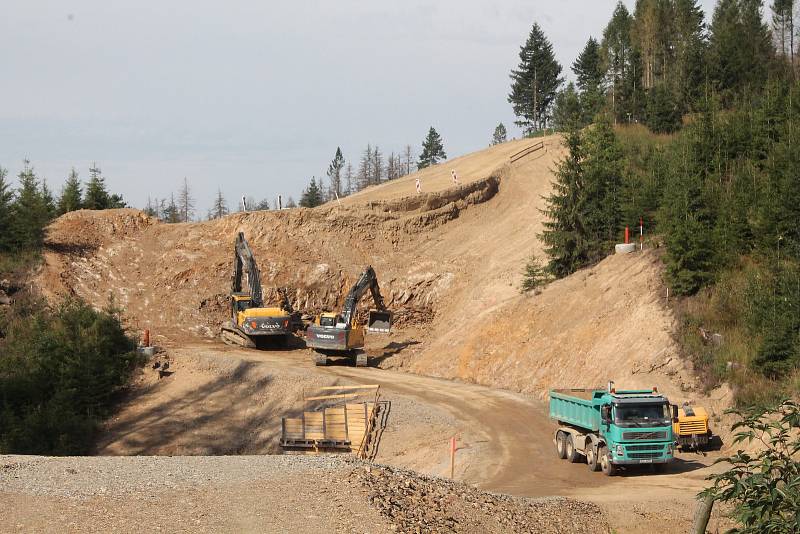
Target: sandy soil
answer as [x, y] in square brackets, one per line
[450, 265]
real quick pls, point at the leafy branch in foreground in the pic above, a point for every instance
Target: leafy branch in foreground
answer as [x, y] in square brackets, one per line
[763, 486]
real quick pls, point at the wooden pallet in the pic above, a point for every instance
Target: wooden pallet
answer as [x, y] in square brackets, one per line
[345, 426]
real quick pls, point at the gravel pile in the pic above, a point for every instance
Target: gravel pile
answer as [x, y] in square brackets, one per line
[416, 504]
[86, 477]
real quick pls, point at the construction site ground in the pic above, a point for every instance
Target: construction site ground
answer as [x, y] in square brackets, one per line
[469, 356]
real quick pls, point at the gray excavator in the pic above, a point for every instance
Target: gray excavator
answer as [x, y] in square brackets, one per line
[253, 325]
[340, 334]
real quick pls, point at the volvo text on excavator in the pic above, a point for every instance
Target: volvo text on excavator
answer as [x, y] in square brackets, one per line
[252, 324]
[337, 334]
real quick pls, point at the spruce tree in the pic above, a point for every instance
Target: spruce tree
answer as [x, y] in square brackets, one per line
[48, 202]
[71, 194]
[171, 213]
[500, 135]
[365, 169]
[740, 47]
[603, 168]
[220, 208]
[377, 167]
[588, 67]
[335, 173]
[663, 115]
[535, 276]
[290, 203]
[622, 63]
[185, 202]
[567, 111]
[590, 72]
[6, 212]
[565, 229]
[432, 150]
[535, 81]
[312, 196]
[29, 213]
[349, 180]
[96, 197]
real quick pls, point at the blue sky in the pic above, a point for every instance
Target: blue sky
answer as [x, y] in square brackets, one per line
[254, 97]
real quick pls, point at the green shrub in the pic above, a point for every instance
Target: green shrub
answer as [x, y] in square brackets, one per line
[59, 372]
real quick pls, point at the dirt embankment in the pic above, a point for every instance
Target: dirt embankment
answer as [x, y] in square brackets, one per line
[450, 265]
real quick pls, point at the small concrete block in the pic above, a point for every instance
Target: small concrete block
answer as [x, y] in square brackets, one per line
[624, 248]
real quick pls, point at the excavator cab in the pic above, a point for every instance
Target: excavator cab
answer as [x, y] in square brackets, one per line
[379, 321]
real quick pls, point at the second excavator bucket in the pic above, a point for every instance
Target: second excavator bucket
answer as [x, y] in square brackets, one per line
[379, 321]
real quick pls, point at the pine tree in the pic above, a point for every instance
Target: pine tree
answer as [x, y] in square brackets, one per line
[535, 81]
[96, 197]
[220, 207]
[567, 111]
[500, 135]
[432, 150]
[71, 194]
[290, 203]
[6, 212]
[312, 196]
[185, 202]
[29, 213]
[335, 174]
[262, 205]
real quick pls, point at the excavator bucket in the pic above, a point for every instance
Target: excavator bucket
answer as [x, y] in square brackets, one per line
[379, 321]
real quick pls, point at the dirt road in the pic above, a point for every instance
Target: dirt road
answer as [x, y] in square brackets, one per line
[505, 446]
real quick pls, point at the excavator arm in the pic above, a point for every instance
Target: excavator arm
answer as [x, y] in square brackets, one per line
[245, 264]
[380, 318]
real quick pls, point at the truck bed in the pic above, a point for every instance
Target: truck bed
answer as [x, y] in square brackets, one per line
[575, 407]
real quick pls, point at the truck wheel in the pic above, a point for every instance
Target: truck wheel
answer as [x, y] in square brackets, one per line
[561, 445]
[606, 466]
[591, 458]
[572, 455]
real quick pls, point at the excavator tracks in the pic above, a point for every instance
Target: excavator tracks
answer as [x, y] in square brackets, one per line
[232, 336]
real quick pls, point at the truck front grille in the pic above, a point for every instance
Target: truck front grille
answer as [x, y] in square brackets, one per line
[644, 455]
[644, 435]
[693, 427]
[656, 447]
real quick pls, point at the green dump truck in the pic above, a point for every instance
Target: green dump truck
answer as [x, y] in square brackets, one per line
[611, 428]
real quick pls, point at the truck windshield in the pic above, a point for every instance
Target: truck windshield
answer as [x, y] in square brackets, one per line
[640, 415]
[327, 321]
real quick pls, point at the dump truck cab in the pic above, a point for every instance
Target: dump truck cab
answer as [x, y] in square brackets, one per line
[612, 428]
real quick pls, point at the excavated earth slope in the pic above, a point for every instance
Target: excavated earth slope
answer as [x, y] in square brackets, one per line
[450, 265]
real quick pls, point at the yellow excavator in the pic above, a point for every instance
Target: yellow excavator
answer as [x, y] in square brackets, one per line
[253, 325]
[340, 334]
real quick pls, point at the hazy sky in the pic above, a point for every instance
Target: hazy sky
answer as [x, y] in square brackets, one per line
[254, 97]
